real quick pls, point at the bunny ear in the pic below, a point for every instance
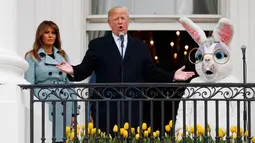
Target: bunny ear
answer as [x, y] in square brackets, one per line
[223, 31]
[194, 30]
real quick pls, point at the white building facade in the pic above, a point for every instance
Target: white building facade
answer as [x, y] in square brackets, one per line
[82, 20]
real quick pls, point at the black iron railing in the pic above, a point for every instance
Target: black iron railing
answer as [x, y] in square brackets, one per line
[153, 103]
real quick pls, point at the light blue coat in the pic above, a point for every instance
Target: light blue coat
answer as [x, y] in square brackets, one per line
[45, 72]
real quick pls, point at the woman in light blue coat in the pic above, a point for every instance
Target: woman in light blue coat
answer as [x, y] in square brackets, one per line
[42, 59]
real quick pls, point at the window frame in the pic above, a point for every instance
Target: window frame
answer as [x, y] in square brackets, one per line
[163, 22]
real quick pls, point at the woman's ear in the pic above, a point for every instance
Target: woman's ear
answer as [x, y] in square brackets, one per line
[223, 31]
[194, 30]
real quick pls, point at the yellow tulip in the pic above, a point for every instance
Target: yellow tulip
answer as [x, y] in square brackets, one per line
[167, 128]
[241, 131]
[137, 136]
[81, 133]
[91, 125]
[72, 135]
[149, 130]
[68, 128]
[138, 129]
[202, 131]
[125, 133]
[191, 129]
[122, 131]
[220, 132]
[93, 131]
[224, 133]
[68, 135]
[144, 126]
[115, 129]
[158, 133]
[253, 139]
[233, 129]
[145, 133]
[246, 133]
[187, 128]
[99, 131]
[89, 131]
[83, 126]
[171, 123]
[126, 126]
[155, 134]
[132, 130]
[78, 127]
[199, 126]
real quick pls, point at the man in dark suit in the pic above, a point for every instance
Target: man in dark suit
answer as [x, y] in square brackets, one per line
[104, 57]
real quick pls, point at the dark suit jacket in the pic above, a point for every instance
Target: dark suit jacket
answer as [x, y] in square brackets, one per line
[104, 58]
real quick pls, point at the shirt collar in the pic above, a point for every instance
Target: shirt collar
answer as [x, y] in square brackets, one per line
[117, 37]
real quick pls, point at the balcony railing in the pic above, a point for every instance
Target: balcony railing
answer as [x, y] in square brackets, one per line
[212, 112]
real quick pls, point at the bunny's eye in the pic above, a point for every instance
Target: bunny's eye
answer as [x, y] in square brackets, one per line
[221, 56]
[198, 57]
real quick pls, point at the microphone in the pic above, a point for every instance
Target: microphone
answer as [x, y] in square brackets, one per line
[243, 48]
[121, 35]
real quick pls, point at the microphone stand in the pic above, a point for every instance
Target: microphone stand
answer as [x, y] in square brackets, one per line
[122, 80]
[122, 56]
[244, 94]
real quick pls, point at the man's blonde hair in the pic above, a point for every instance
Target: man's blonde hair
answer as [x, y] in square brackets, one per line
[123, 8]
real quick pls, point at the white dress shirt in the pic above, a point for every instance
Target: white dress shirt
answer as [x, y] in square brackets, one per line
[118, 43]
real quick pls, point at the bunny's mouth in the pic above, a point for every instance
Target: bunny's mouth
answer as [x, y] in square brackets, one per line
[208, 72]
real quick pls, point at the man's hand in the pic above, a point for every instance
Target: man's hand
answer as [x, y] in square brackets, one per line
[72, 122]
[181, 75]
[65, 67]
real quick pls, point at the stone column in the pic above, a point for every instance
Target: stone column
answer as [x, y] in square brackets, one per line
[12, 66]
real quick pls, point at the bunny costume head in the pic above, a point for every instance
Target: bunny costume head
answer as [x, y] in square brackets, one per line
[212, 58]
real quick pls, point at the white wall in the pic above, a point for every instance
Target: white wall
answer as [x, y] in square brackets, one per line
[240, 15]
[67, 14]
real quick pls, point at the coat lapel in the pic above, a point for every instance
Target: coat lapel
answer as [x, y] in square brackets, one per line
[130, 49]
[58, 57]
[49, 60]
[112, 48]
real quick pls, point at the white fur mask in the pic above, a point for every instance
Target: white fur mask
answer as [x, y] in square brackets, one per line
[212, 58]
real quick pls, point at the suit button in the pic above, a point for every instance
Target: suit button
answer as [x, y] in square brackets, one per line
[50, 73]
[62, 103]
[51, 113]
[60, 73]
[62, 114]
